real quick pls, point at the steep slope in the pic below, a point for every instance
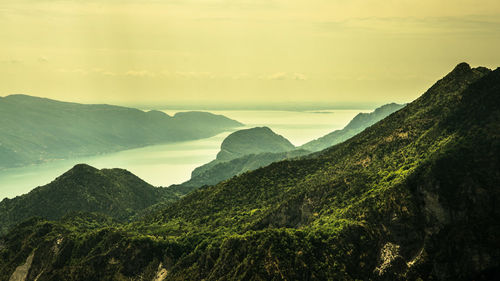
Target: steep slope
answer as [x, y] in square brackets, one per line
[411, 197]
[246, 142]
[114, 192]
[252, 141]
[36, 130]
[355, 126]
[421, 185]
[217, 171]
[241, 151]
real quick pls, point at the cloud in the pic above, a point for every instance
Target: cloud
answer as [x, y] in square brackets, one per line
[140, 73]
[75, 71]
[238, 76]
[285, 76]
[299, 76]
[483, 24]
[194, 74]
[187, 74]
[277, 76]
[80, 71]
[11, 61]
[43, 59]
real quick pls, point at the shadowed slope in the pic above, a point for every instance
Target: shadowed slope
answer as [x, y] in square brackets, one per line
[413, 196]
[114, 192]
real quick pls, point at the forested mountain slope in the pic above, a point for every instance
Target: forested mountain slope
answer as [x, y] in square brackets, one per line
[251, 159]
[241, 151]
[113, 192]
[411, 197]
[217, 171]
[355, 126]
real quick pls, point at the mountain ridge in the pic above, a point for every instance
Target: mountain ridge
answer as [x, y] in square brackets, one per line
[246, 142]
[216, 171]
[36, 130]
[113, 192]
[360, 122]
[412, 197]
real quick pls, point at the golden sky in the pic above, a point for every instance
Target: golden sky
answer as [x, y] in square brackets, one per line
[173, 52]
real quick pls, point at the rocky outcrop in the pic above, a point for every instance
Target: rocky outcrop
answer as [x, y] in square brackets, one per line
[22, 271]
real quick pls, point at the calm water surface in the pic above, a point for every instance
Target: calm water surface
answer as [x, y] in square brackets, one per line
[297, 126]
[166, 164]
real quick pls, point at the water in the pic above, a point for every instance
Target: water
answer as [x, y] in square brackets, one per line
[298, 127]
[166, 164]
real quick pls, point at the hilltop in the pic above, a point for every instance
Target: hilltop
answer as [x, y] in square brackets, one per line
[113, 192]
[252, 141]
[241, 151]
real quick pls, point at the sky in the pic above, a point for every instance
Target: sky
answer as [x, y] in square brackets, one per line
[240, 53]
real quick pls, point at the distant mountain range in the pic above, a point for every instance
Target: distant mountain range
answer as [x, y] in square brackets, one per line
[358, 124]
[250, 149]
[35, 130]
[241, 151]
[412, 197]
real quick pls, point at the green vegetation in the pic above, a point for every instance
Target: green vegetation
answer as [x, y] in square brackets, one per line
[357, 125]
[35, 130]
[217, 171]
[113, 192]
[413, 197]
[242, 151]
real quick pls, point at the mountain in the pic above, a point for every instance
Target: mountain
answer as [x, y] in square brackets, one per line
[113, 192]
[217, 171]
[252, 141]
[413, 197]
[35, 129]
[241, 151]
[355, 126]
[246, 142]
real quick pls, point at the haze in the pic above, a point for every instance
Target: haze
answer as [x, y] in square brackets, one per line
[240, 52]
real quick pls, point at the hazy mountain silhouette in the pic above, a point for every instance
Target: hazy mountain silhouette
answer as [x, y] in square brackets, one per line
[355, 126]
[241, 151]
[252, 141]
[35, 129]
[413, 197]
[250, 159]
